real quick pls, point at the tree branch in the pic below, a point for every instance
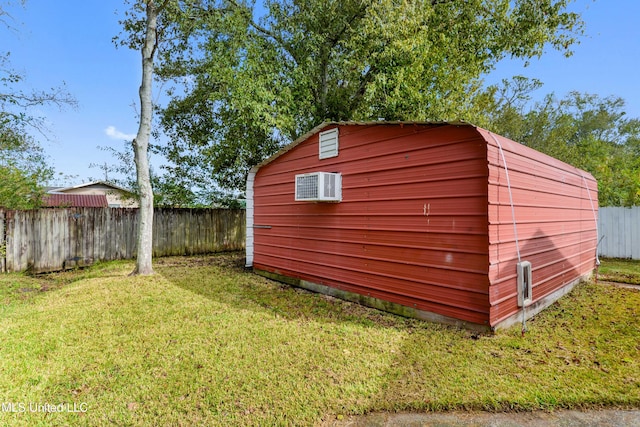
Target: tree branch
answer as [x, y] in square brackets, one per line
[265, 32]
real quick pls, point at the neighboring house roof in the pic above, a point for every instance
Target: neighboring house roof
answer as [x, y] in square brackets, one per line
[117, 197]
[89, 184]
[75, 200]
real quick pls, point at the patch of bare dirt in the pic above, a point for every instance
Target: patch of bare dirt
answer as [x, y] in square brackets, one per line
[232, 260]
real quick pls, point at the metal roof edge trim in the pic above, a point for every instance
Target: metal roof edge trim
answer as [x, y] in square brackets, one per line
[522, 149]
[87, 184]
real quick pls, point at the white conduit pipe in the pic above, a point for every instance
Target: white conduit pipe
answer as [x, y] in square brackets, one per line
[513, 210]
[595, 218]
[513, 217]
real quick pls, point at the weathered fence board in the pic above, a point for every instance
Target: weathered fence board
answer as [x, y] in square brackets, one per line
[54, 239]
[619, 229]
[3, 247]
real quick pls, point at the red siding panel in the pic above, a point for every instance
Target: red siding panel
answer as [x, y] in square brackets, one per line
[554, 217]
[426, 219]
[411, 227]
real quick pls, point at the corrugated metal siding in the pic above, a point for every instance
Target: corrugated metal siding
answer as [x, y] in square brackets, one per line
[556, 226]
[620, 232]
[411, 228]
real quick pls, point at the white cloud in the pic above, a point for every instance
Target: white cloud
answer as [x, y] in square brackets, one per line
[114, 133]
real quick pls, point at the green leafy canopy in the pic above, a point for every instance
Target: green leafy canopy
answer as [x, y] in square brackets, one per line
[586, 130]
[243, 80]
[23, 168]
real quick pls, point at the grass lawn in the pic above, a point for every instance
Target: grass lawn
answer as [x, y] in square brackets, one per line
[205, 343]
[620, 270]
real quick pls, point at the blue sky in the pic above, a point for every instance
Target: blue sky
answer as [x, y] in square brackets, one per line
[70, 42]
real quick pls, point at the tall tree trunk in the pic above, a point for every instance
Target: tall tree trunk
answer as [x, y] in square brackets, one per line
[141, 147]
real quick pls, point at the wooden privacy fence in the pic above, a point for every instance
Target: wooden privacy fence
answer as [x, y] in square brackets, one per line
[54, 239]
[619, 229]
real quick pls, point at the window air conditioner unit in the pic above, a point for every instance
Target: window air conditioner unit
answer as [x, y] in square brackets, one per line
[319, 187]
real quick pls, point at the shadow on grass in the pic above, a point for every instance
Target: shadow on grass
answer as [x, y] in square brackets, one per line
[568, 359]
[223, 278]
[340, 356]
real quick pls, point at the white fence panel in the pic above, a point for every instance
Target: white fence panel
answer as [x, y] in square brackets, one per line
[619, 229]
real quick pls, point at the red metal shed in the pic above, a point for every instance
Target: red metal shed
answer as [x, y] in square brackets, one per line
[441, 221]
